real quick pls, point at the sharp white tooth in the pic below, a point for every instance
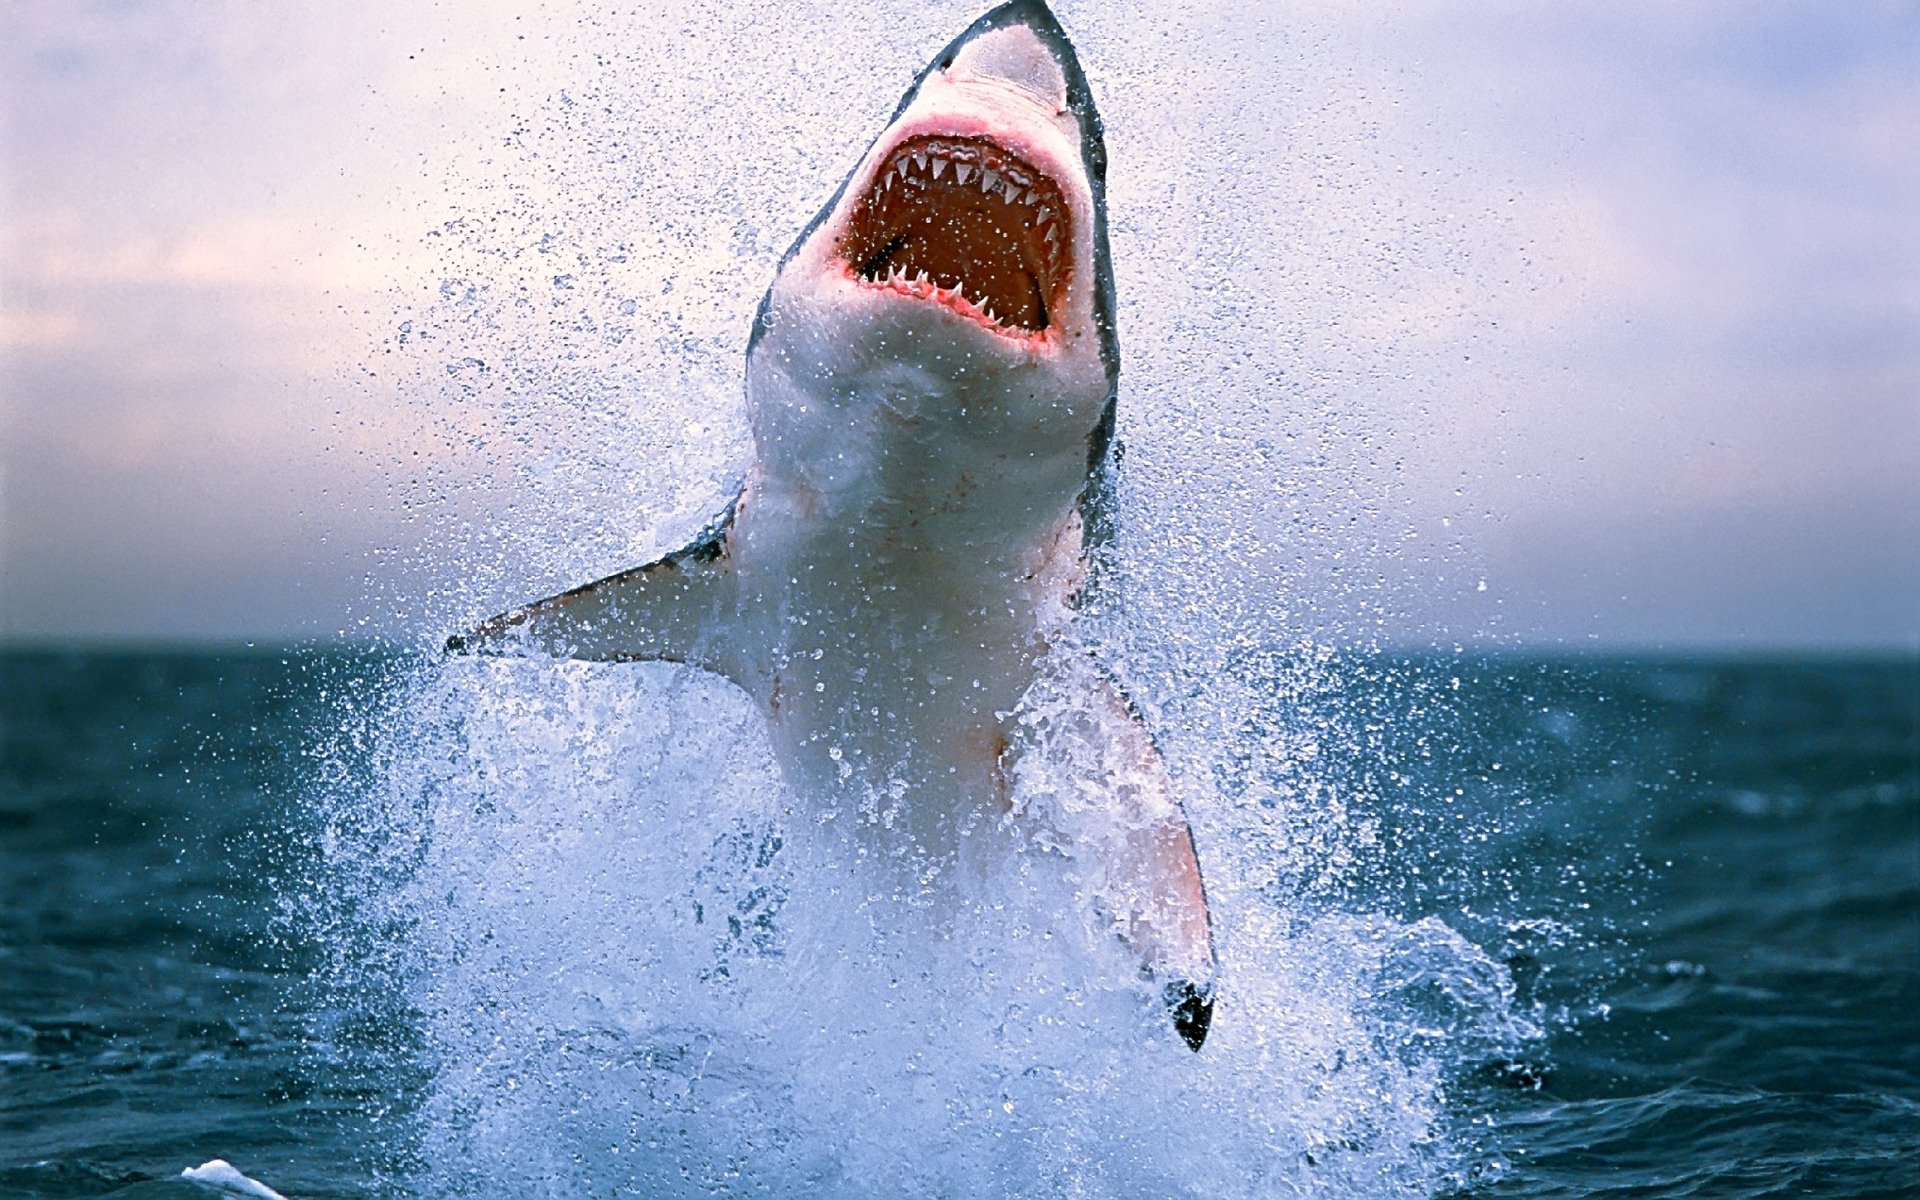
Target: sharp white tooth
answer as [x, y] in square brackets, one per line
[921, 277]
[1030, 197]
[1010, 193]
[991, 318]
[919, 162]
[1046, 214]
[939, 165]
[988, 180]
[960, 172]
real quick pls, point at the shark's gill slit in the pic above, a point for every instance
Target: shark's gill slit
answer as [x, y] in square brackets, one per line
[970, 218]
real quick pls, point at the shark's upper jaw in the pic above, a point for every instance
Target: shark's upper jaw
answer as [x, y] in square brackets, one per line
[965, 222]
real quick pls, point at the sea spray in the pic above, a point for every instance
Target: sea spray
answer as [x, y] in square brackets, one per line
[632, 962]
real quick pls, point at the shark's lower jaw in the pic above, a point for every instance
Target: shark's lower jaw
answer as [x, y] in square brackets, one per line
[965, 223]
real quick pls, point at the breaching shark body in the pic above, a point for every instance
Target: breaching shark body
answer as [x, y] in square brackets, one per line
[931, 383]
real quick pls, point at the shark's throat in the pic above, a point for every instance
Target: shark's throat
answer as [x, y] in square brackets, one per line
[966, 223]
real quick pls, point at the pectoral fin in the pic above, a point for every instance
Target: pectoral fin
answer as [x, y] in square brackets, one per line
[1154, 888]
[1100, 788]
[673, 610]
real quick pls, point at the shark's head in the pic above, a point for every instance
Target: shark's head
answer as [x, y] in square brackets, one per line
[968, 248]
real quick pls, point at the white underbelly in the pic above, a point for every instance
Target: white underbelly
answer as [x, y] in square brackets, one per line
[896, 718]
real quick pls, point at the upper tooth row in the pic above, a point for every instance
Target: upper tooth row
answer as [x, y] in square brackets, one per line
[990, 181]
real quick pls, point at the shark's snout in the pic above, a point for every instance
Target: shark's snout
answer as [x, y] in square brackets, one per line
[1019, 53]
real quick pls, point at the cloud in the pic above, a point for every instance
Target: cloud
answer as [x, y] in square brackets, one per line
[1529, 285]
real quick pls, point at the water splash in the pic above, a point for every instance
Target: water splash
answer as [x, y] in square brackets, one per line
[634, 963]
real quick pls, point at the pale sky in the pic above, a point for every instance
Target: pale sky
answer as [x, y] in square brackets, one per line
[1590, 325]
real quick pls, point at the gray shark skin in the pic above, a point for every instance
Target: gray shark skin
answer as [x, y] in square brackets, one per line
[931, 382]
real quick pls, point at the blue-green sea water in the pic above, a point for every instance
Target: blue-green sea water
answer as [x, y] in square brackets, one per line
[367, 926]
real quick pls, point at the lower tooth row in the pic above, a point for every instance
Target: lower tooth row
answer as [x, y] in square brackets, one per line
[899, 275]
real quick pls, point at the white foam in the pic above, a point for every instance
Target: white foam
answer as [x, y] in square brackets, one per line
[641, 968]
[220, 1174]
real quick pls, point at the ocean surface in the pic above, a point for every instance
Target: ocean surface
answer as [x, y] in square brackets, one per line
[367, 925]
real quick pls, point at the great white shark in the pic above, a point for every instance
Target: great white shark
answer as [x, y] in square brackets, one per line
[931, 382]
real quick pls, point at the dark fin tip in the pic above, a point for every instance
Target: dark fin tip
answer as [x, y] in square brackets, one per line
[1191, 1006]
[457, 644]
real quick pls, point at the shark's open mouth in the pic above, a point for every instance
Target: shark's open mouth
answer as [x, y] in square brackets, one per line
[966, 222]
